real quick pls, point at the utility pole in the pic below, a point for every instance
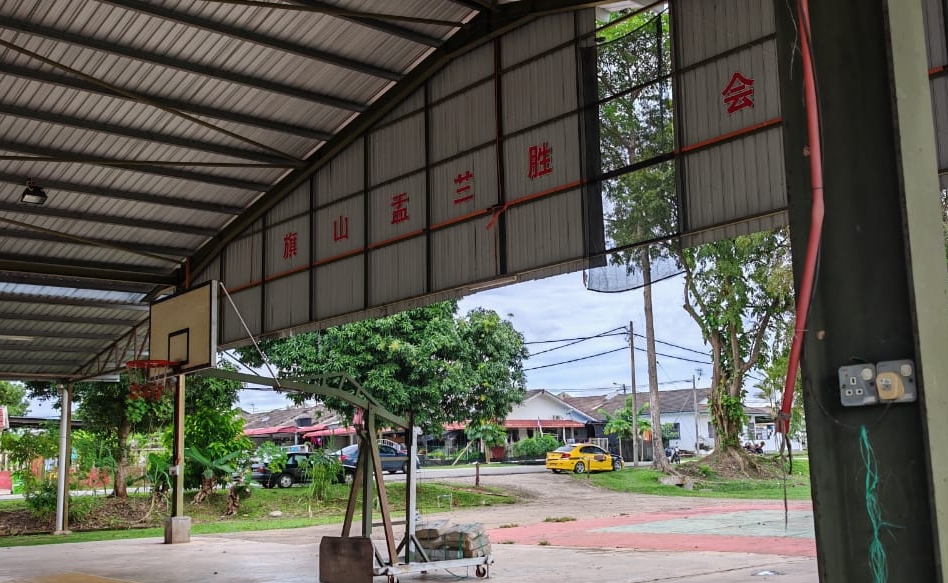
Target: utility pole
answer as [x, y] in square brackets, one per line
[635, 404]
[694, 397]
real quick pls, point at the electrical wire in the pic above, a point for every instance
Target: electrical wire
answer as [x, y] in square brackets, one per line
[577, 341]
[576, 359]
[685, 348]
[814, 135]
[605, 334]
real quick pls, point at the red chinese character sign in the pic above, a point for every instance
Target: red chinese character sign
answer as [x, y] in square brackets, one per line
[399, 207]
[289, 245]
[541, 160]
[340, 228]
[464, 185]
[739, 93]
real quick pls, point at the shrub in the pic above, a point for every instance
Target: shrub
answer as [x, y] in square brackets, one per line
[41, 499]
[536, 447]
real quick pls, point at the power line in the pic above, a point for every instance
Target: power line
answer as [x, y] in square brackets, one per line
[603, 335]
[578, 340]
[575, 359]
[685, 348]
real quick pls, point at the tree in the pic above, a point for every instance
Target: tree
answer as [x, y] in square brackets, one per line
[424, 362]
[739, 292]
[775, 374]
[620, 422]
[488, 434]
[107, 410]
[214, 428]
[13, 396]
[736, 318]
[636, 128]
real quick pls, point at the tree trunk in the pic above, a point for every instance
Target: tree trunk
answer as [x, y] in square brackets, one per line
[659, 461]
[207, 486]
[119, 489]
[727, 424]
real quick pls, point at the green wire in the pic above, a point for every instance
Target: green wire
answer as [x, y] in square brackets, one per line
[877, 557]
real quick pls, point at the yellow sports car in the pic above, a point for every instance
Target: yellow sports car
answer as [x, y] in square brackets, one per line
[581, 458]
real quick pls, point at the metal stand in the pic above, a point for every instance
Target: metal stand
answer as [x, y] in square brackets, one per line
[368, 482]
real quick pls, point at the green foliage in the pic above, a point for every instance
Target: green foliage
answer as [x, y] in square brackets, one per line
[13, 396]
[423, 361]
[158, 472]
[322, 470]
[212, 427]
[92, 452]
[41, 499]
[741, 295]
[536, 447]
[775, 373]
[621, 421]
[26, 446]
[274, 456]
[490, 434]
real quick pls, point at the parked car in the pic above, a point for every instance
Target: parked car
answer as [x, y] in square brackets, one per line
[581, 458]
[294, 471]
[393, 460]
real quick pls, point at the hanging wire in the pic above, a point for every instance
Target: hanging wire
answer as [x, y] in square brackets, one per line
[877, 557]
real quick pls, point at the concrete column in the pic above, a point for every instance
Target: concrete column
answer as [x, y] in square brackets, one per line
[880, 288]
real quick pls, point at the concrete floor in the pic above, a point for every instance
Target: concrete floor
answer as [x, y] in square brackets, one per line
[211, 559]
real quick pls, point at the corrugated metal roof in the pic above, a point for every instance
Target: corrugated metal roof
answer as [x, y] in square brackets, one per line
[160, 129]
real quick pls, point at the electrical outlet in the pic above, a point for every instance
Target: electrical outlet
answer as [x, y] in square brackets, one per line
[895, 381]
[857, 386]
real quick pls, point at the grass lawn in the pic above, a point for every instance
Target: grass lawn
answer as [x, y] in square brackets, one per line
[645, 481]
[295, 505]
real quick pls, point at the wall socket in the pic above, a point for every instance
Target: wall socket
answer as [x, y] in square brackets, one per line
[857, 387]
[889, 381]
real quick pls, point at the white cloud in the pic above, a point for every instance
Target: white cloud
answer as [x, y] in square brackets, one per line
[561, 307]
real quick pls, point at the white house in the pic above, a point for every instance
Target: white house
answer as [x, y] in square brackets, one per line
[542, 411]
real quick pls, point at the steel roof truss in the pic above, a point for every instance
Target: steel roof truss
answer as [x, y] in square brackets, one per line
[109, 219]
[58, 333]
[179, 64]
[67, 301]
[375, 21]
[132, 165]
[257, 38]
[111, 360]
[85, 269]
[46, 235]
[139, 134]
[59, 318]
[165, 103]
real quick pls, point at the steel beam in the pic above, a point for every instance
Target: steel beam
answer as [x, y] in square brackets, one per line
[58, 333]
[176, 252]
[139, 134]
[175, 63]
[374, 22]
[72, 82]
[32, 348]
[71, 283]
[8, 316]
[7, 297]
[159, 199]
[260, 39]
[40, 362]
[108, 219]
[84, 269]
[130, 346]
[132, 166]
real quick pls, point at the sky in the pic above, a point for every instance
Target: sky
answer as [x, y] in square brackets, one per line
[560, 308]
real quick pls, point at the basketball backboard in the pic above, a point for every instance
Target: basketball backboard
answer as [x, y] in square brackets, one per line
[184, 328]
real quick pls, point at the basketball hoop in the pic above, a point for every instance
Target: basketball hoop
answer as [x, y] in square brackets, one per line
[148, 379]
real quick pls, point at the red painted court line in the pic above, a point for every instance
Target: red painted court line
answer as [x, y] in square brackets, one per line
[587, 533]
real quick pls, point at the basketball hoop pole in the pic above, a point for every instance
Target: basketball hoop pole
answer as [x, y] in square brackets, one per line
[178, 526]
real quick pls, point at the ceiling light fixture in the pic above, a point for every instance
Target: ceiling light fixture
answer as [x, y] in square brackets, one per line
[33, 194]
